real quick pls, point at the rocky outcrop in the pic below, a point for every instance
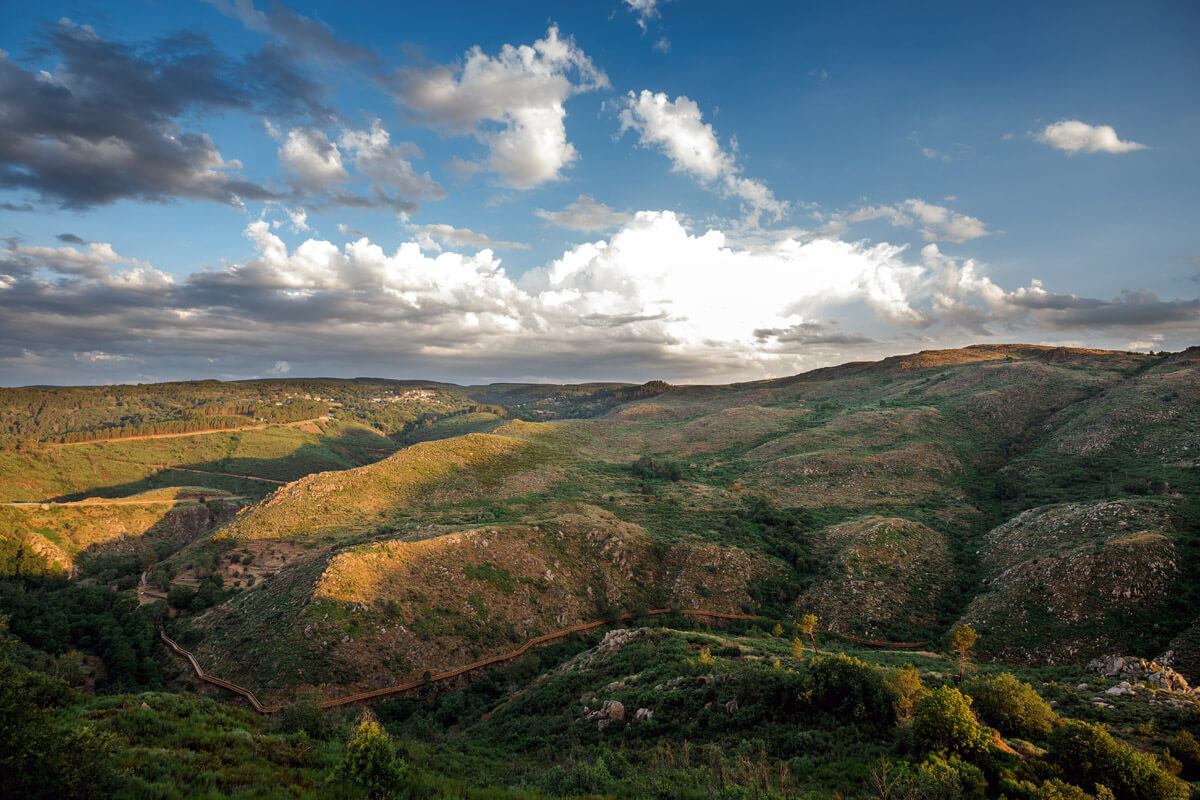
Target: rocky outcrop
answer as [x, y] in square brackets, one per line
[1133, 669]
[611, 712]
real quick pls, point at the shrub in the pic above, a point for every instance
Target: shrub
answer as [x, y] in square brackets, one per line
[1011, 707]
[370, 759]
[944, 723]
[1087, 756]
[947, 779]
[1185, 748]
[303, 716]
[850, 689]
[180, 596]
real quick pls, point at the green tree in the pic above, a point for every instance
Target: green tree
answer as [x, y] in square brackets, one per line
[944, 723]
[960, 643]
[1012, 707]
[1088, 755]
[370, 759]
[905, 684]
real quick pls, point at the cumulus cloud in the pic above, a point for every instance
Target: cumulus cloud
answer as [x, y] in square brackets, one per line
[1073, 136]
[312, 161]
[522, 89]
[387, 164]
[677, 128]
[105, 125]
[584, 214]
[317, 169]
[652, 299]
[935, 223]
[434, 237]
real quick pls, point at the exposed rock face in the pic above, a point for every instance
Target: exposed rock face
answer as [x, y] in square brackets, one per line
[1131, 668]
[612, 711]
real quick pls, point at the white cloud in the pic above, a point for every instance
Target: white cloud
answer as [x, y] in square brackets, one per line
[434, 237]
[523, 89]
[584, 214]
[651, 299]
[299, 219]
[645, 10]
[678, 129]
[313, 161]
[96, 261]
[281, 368]
[387, 164]
[936, 223]
[1074, 136]
[663, 45]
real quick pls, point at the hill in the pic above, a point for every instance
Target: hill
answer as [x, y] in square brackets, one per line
[878, 496]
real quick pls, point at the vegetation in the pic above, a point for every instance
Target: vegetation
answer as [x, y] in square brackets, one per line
[1018, 508]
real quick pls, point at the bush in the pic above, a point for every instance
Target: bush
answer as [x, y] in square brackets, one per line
[180, 596]
[1011, 707]
[944, 723]
[303, 716]
[370, 759]
[1185, 748]
[1088, 756]
[850, 689]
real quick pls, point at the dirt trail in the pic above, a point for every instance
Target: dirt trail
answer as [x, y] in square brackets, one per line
[441, 676]
[192, 433]
[487, 662]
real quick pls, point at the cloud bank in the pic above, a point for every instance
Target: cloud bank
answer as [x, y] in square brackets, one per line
[653, 299]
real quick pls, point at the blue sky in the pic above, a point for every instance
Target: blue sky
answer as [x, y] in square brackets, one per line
[625, 189]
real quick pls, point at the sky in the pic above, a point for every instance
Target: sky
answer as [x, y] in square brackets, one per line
[697, 192]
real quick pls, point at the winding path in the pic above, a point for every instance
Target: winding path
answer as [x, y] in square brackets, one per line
[441, 676]
[487, 662]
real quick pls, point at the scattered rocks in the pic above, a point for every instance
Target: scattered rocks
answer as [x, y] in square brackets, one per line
[612, 711]
[1132, 668]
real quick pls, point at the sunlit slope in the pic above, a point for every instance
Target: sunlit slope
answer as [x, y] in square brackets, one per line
[863, 493]
[122, 468]
[379, 613]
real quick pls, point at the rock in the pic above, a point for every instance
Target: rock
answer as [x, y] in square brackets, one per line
[643, 713]
[732, 706]
[1083, 687]
[145, 706]
[1139, 669]
[612, 711]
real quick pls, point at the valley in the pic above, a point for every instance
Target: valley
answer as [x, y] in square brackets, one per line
[1046, 497]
